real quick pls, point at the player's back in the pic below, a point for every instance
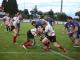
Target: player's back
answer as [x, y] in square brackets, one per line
[49, 30]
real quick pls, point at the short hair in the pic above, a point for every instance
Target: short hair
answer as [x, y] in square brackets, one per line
[33, 22]
[69, 17]
[44, 23]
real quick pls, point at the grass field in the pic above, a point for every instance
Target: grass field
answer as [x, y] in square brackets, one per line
[9, 51]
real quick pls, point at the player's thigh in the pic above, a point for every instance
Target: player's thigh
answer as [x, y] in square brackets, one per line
[56, 44]
[14, 31]
[76, 41]
[45, 40]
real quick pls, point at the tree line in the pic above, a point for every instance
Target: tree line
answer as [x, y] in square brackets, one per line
[11, 6]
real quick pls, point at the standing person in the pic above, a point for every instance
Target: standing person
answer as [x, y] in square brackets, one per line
[6, 21]
[50, 34]
[14, 29]
[73, 30]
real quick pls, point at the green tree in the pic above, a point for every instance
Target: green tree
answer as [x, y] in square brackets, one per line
[4, 5]
[26, 13]
[34, 11]
[61, 17]
[51, 13]
[40, 13]
[10, 6]
[78, 14]
[45, 13]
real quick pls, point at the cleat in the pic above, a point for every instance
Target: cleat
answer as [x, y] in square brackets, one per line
[23, 46]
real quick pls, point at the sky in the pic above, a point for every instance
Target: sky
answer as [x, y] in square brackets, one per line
[69, 6]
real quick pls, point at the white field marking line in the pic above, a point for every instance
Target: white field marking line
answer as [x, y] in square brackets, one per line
[22, 52]
[41, 53]
[62, 55]
[11, 52]
[67, 57]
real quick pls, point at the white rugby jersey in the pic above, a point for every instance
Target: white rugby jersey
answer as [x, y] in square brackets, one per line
[49, 30]
[47, 22]
[33, 31]
[19, 17]
[6, 20]
[6, 17]
[18, 21]
[15, 21]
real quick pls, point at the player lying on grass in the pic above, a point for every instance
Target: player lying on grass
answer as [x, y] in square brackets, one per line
[73, 29]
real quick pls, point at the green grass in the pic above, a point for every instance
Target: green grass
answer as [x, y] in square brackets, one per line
[9, 51]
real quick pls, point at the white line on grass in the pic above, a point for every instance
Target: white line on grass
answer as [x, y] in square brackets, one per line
[62, 55]
[11, 52]
[67, 57]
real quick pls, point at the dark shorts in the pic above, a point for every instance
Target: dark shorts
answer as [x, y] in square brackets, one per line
[12, 28]
[52, 38]
[29, 35]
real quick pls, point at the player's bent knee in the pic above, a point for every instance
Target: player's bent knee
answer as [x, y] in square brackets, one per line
[56, 44]
[45, 40]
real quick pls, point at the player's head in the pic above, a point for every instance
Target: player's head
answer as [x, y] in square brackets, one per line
[44, 24]
[34, 23]
[69, 19]
[18, 13]
[46, 18]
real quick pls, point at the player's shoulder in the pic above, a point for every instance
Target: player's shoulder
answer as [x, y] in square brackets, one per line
[33, 29]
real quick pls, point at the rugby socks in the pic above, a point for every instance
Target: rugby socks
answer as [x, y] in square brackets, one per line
[14, 39]
[47, 45]
[60, 47]
[26, 44]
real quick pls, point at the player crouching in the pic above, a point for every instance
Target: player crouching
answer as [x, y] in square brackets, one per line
[30, 38]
